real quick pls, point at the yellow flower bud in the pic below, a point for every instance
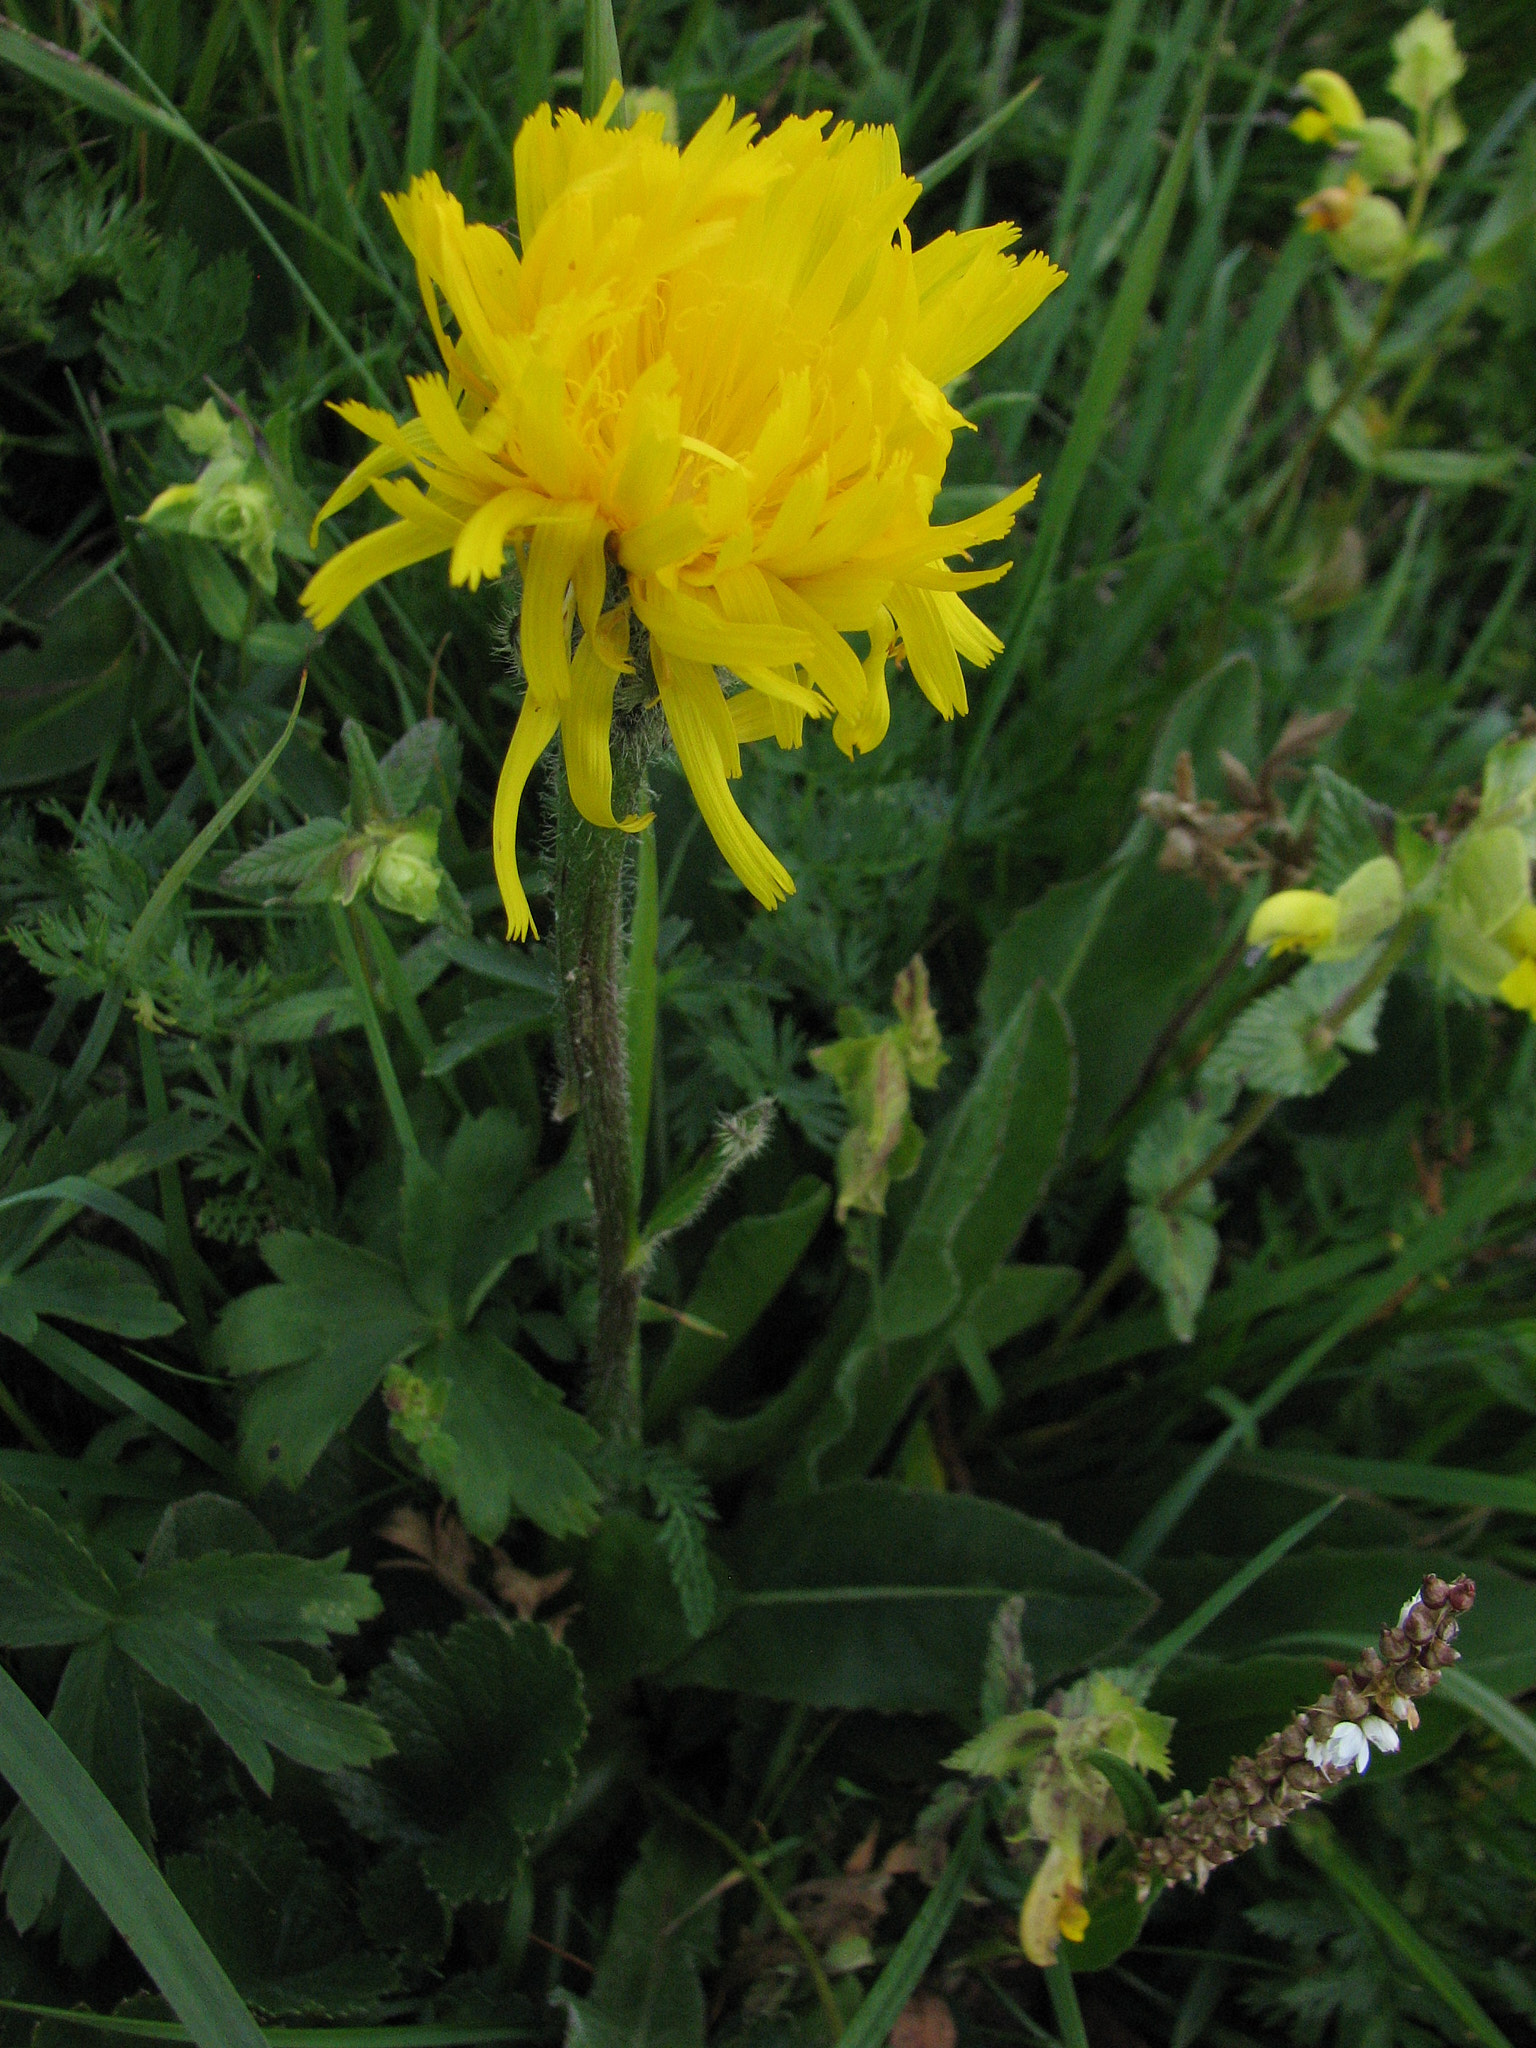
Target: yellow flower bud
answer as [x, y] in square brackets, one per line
[1341, 112]
[1428, 61]
[1520, 933]
[1294, 920]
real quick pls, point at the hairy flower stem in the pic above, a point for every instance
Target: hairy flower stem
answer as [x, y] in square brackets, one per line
[590, 865]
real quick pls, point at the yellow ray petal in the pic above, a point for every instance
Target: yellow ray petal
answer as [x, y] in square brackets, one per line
[705, 739]
[585, 727]
[695, 631]
[347, 575]
[930, 651]
[481, 546]
[545, 636]
[535, 729]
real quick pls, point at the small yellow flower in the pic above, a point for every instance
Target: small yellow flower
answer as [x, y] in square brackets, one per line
[1294, 920]
[1053, 1906]
[718, 370]
[1336, 927]
[1336, 111]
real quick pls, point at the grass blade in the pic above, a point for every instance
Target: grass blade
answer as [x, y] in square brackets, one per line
[107, 1857]
[1441, 1486]
[887, 1997]
[425, 2036]
[1177, 1640]
[1481, 1199]
[1316, 1840]
[1088, 131]
[934, 174]
[1493, 1710]
[600, 66]
[114, 1390]
[421, 127]
[145, 924]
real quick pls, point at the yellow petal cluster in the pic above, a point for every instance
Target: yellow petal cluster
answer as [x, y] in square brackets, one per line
[718, 370]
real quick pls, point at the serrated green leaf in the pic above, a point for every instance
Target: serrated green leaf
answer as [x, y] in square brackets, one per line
[507, 1443]
[51, 1589]
[88, 1284]
[278, 1921]
[1177, 1250]
[486, 1723]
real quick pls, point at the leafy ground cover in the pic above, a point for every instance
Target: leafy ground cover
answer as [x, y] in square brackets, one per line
[1069, 1330]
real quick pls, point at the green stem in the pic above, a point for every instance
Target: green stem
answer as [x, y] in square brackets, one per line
[1069, 2016]
[373, 1029]
[590, 864]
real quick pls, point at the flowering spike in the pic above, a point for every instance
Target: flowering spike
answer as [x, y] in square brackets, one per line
[1362, 1710]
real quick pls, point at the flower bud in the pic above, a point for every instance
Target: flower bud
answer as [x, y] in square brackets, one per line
[1335, 111]
[1385, 155]
[407, 876]
[1447, 132]
[1428, 61]
[1374, 243]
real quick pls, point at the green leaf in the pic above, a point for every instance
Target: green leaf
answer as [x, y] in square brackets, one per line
[197, 1625]
[1018, 1298]
[222, 598]
[1269, 1048]
[989, 1170]
[1177, 1250]
[870, 1595]
[1124, 948]
[486, 1723]
[449, 1217]
[1350, 829]
[507, 1443]
[646, 1987]
[1442, 1486]
[88, 1284]
[51, 1589]
[102, 1850]
[747, 1265]
[1138, 1802]
[323, 1337]
[278, 1921]
[66, 684]
[95, 1711]
[288, 860]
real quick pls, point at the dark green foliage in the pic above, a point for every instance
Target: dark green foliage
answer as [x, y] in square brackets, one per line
[396, 1665]
[485, 1724]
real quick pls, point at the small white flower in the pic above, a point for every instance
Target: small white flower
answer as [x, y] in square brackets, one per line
[1380, 1734]
[1400, 1707]
[1345, 1750]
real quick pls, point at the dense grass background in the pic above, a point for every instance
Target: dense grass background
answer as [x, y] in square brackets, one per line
[221, 232]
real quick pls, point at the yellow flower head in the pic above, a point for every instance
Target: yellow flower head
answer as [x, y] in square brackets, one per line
[1336, 111]
[1294, 920]
[717, 372]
